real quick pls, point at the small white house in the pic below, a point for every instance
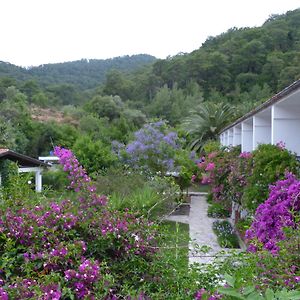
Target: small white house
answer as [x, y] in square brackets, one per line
[276, 120]
[26, 164]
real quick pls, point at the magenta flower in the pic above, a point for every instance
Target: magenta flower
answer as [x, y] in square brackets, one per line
[210, 166]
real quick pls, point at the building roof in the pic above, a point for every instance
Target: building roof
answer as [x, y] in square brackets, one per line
[276, 98]
[22, 160]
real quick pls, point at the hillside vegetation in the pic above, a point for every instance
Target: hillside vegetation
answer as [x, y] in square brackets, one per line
[233, 71]
[84, 73]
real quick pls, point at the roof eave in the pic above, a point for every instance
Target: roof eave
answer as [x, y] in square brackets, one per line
[276, 98]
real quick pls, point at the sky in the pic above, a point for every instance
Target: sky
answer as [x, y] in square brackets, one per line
[35, 32]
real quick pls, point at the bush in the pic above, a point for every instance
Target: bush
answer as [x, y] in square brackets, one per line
[18, 190]
[58, 245]
[215, 170]
[216, 210]
[95, 156]
[153, 149]
[270, 163]
[245, 177]
[186, 166]
[55, 179]
[139, 200]
[225, 234]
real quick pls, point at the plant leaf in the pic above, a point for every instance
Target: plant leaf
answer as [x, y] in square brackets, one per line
[269, 294]
[230, 280]
[248, 290]
[231, 292]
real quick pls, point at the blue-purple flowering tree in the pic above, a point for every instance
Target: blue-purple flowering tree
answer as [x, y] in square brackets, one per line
[153, 149]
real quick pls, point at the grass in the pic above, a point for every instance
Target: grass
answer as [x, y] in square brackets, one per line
[140, 199]
[225, 234]
[175, 242]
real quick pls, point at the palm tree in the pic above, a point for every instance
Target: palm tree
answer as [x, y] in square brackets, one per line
[206, 121]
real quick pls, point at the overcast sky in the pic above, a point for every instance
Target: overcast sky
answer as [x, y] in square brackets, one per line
[35, 32]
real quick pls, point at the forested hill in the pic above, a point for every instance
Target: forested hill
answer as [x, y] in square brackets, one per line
[106, 100]
[83, 73]
[237, 60]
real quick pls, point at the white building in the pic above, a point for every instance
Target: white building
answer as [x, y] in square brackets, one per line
[276, 120]
[25, 164]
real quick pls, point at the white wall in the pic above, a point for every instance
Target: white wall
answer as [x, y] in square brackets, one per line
[230, 136]
[247, 135]
[286, 125]
[261, 129]
[237, 135]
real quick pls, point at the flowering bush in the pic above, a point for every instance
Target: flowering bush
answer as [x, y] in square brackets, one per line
[215, 170]
[270, 162]
[280, 210]
[152, 150]
[240, 171]
[62, 248]
[245, 177]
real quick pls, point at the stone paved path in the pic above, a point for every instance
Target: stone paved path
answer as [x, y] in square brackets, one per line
[201, 232]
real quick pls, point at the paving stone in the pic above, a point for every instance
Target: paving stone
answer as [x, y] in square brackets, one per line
[201, 233]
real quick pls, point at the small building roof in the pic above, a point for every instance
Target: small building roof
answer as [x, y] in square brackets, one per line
[23, 160]
[276, 98]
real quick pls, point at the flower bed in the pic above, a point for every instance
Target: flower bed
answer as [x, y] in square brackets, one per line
[225, 234]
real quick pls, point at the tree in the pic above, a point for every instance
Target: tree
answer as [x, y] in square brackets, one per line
[206, 121]
[94, 155]
[117, 84]
[105, 106]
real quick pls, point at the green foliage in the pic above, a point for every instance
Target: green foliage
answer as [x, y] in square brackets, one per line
[18, 189]
[119, 181]
[250, 292]
[105, 106]
[139, 200]
[62, 94]
[85, 74]
[46, 134]
[95, 155]
[117, 84]
[211, 146]
[270, 163]
[153, 196]
[187, 168]
[216, 210]
[226, 236]
[55, 180]
[173, 104]
[206, 122]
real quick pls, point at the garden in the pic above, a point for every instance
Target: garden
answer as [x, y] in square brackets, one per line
[76, 243]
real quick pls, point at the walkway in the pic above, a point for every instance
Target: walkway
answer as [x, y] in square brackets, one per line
[202, 236]
[201, 233]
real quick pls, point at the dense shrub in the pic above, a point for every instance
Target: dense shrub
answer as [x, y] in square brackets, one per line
[245, 177]
[95, 156]
[281, 210]
[215, 170]
[225, 234]
[270, 162]
[216, 210]
[186, 165]
[74, 248]
[55, 179]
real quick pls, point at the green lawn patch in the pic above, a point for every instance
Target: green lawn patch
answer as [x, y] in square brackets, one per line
[175, 241]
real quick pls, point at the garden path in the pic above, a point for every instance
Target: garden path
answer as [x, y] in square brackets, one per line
[201, 233]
